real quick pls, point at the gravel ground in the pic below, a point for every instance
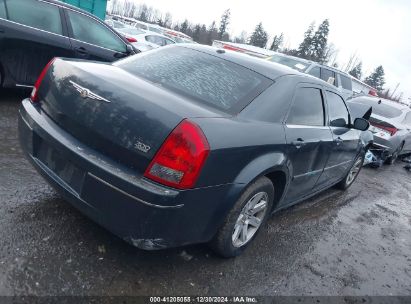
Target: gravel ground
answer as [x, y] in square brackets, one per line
[356, 242]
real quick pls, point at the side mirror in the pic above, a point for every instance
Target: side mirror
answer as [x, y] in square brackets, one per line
[361, 124]
[339, 122]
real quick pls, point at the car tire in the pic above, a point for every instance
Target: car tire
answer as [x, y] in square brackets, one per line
[391, 159]
[232, 238]
[352, 174]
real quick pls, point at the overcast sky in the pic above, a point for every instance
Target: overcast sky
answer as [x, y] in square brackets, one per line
[378, 31]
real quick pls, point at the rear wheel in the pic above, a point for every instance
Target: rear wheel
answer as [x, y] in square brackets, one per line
[245, 219]
[352, 174]
[391, 159]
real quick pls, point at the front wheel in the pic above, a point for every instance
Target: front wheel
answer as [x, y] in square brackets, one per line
[245, 219]
[352, 173]
[391, 159]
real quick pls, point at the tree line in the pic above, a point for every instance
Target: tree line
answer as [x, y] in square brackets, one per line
[314, 46]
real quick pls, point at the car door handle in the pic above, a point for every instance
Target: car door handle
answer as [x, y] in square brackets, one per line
[298, 143]
[338, 141]
[81, 50]
[1, 31]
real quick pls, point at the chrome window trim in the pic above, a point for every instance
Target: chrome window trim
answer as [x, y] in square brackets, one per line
[34, 28]
[24, 86]
[293, 126]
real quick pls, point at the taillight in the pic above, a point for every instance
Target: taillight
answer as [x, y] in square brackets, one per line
[391, 130]
[131, 39]
[34, 94]
[179, 161]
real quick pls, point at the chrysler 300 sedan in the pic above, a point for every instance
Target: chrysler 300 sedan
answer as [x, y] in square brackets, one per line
[187, 144]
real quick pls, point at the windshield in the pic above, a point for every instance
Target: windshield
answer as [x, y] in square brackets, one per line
[201, 77]
[290, 62]
[132, 31]
[381, 109]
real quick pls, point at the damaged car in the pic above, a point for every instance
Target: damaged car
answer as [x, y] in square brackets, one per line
[391, 126]
[188, 143]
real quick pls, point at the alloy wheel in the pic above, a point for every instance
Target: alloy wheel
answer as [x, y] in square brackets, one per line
[250, 219]
[355, 169]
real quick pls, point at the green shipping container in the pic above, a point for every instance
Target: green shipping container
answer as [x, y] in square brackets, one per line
[96, 7]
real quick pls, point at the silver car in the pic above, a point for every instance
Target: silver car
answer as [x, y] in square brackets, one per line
[145, 40]
[391, 125]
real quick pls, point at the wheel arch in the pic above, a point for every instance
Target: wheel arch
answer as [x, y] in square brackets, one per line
[271, 165]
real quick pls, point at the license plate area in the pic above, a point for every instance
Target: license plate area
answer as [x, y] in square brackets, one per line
[59, 164]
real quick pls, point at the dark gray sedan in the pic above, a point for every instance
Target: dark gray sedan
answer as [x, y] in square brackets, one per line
[188, 144]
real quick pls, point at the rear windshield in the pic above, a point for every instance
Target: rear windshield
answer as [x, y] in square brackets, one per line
[290, 62]
[201, 77]
[381, 109]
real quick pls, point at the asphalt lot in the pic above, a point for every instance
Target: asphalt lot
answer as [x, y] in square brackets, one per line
[339, 243]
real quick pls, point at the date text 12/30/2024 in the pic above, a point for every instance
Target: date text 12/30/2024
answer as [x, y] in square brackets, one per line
[239, 299]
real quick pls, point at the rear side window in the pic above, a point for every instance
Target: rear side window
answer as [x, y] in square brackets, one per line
[199, 76]
[36, 14]
[2, 10]
[315, 71]
[88, 30]
[338, 113]
[296, 64]
[307, 108]
[328, 76]
[346, 82]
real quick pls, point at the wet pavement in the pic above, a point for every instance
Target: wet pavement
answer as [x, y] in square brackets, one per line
[356, 242]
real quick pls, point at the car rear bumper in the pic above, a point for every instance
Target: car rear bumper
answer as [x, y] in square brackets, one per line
[145, 214]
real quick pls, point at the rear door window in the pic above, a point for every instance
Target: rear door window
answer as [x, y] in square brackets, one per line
[346, 82]
[2, 10]
[36, 14]
[88, 30]
[315, 71]
[307, 108]
[202, 77]
[337, 110]
[328, 76]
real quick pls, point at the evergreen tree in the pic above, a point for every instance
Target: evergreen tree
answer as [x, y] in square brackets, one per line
[225, 20]
[259, 37]
[319, 42]
[212, 33]
[277, 42]
[305, 47]
[184, 27]
[196, 33]
[356, 71]
[376, 79]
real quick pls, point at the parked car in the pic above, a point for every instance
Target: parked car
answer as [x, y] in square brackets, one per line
[145, 40]
[33, 31]
[116, 24]
[340, 79]
[188, 143]
[391, 125]
[361, 88]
